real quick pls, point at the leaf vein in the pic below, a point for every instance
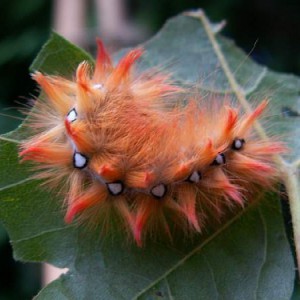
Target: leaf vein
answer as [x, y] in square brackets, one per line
[264, 253]
[26, 180]
[170, 295]
[211, 271]
[193, 252]
[42, 234]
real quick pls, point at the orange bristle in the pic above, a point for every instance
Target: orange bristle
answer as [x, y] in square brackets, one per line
[121, 71]
[231, 122]
[143, 213]
[140, 179]
[182, 172]
[247, 168]
[90, 197]
[221, 185]
[103, 63]
[78, 133]
[47, 153]
[248, 121]
[187, 196]
[109, 173]
[55, 97]
[84, 102]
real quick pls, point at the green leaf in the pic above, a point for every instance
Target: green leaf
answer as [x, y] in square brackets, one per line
[247, 257]
[59, 57]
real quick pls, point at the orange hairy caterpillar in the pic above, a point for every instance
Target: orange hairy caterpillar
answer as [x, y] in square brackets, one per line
[116, 146]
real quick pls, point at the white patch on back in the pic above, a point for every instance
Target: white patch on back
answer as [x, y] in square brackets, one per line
[79, 160]
[98, 86]
[195, 177]
[220, 159]
[72, 115]
[238, 144]
[115, 188]
[159, 190]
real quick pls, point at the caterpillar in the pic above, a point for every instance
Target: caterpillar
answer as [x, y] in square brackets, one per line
[119, 146]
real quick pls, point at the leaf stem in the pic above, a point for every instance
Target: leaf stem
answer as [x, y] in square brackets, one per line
[3, 138]
[291, 181]
[289, 171]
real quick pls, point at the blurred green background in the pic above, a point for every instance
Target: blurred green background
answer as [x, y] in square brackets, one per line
[274, 25]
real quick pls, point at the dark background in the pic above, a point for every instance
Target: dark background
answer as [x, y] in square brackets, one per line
[25, 26]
